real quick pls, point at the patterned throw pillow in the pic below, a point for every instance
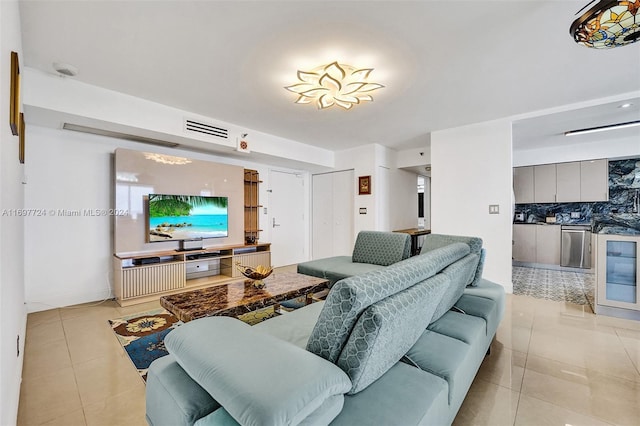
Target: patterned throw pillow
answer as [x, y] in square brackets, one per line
[434, 241]
[348, 298]
[381, 248]
[387, 329]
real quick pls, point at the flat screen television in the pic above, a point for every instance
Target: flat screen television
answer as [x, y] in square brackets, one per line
[186, 217]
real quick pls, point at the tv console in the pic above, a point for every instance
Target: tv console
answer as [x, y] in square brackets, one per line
[143, 277]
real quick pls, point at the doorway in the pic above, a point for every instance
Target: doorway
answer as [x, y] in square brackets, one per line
[424, 202]
[287, 219]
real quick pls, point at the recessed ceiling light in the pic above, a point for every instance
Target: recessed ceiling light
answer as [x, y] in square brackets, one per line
[334, 84]
[625, 105]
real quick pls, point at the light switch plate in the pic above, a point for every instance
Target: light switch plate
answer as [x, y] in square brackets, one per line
[494, 209]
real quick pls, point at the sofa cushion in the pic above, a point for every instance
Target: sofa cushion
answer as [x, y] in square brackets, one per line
[323, 415]
[434, 241]
[489, 290]
[466, 328]
[220, 417]
[294, 327]
[440, 355]
[434, 261]
[387, 329]
[404, 395]
[172, 397]
[225, 355]
[459, 273]
[318, 267]
[481, 307]
[349, 269]
[381, 248]
[336, 268]
[349, 297]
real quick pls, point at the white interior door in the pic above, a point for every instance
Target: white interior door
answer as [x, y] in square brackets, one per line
[322, 211]
[332, 209]
[287, 220]
[343, 190]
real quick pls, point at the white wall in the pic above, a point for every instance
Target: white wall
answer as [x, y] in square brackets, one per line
[68, 259]
[606, 148]
[392, 203]
[414, 157]
[403, 202]
[471, 169]
[12, 310]
[52, 100]
[363, 162]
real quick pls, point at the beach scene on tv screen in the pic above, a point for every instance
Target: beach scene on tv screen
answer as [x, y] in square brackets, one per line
[181, 217]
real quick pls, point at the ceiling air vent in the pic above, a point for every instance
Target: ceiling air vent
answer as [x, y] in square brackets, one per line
[207, 129]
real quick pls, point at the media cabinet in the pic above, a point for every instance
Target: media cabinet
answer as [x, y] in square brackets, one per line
[143, 277]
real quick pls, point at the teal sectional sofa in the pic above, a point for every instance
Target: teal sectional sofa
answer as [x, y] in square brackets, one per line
[373, 251]
[395, 346]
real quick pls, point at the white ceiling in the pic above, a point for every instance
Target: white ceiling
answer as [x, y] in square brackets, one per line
[444, 63]
[548, 130]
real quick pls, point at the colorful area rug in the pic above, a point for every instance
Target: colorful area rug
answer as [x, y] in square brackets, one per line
[560, 286]
[142, 334]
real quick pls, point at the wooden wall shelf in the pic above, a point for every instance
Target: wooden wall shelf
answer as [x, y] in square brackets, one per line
[251, 206]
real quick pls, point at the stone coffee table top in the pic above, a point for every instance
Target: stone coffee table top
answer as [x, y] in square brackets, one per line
[239, 297]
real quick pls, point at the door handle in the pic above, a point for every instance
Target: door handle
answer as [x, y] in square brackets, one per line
[274, 223]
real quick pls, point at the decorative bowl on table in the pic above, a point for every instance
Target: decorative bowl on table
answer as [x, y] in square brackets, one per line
[256, 273]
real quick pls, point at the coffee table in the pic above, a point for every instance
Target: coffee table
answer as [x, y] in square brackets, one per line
[239, 297]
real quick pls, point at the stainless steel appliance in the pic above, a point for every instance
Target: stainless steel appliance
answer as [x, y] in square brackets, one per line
[576, 246]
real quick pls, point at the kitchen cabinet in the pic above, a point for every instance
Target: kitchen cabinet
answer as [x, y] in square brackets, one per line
[576, 181]
[524, 243]
[544, 183]
[594, 180]
[523, 184]
[568, 182]
[548, 244]
[536, 244]
[617, 273]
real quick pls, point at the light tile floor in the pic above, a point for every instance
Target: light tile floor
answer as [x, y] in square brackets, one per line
[552, 363]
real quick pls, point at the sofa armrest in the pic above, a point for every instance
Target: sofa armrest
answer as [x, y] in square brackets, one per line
[257, 378]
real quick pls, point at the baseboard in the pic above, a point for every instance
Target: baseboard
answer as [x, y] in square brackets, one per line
[52, 301]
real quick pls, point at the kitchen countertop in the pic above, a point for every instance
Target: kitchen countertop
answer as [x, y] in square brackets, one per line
[618, 224]
[555, 223]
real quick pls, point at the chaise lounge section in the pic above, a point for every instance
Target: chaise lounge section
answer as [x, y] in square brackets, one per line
[399, 345]
[373, 251]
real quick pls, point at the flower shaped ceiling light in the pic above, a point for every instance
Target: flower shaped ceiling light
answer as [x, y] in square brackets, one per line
[610, 23]
[334, 84]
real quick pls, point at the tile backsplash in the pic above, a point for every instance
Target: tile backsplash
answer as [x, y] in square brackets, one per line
[616, 216]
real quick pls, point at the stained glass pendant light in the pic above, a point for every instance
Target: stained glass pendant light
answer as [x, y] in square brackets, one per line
[608, 24]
